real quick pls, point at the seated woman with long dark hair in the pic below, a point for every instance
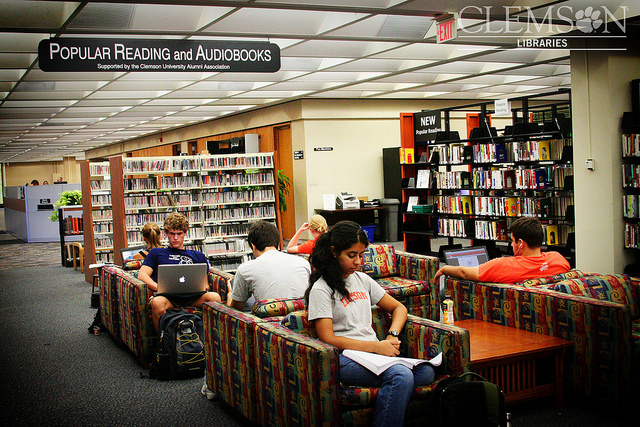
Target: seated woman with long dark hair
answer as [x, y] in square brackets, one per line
[339, 299]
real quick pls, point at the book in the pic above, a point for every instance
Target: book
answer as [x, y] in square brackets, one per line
[413, 201]
[378, 363]
[423, 180]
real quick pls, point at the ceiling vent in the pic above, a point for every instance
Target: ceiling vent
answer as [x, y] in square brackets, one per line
[405, 27]
[104, 15]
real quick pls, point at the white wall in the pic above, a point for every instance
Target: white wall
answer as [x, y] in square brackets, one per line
[601, 92]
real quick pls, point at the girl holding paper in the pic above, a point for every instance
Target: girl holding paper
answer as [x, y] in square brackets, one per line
[339, 299]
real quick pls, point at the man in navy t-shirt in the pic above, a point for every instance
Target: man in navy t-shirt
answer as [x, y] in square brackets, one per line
[176, 227]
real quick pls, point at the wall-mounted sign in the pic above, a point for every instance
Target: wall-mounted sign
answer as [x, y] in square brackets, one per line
[91, 54]
[426, 125]
[323, 149]
[298, 155]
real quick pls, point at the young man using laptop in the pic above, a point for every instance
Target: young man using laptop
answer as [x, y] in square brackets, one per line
[528, 260]
[272, 274]
[176, 227]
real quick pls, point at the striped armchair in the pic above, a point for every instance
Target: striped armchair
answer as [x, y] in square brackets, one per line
[280, 374]
[600, 323]
[124, 308]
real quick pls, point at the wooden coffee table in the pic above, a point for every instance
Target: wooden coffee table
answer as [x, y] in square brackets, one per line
[524, 364]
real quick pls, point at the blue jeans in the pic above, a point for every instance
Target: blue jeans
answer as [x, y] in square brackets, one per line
[396, 386]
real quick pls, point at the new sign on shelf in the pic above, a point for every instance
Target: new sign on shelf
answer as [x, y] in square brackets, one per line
[97, 54]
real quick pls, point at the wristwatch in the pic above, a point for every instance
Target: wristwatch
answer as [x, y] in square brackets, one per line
[393, 333]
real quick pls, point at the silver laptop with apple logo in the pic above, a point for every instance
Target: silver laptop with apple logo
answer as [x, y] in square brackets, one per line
[182, 278]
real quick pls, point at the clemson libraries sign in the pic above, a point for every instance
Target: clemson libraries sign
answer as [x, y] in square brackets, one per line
[75, 54]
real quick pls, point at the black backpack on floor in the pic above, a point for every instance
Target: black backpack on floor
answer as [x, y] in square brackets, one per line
[181, 347]
[457, 402]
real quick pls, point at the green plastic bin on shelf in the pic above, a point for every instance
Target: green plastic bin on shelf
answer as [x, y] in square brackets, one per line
[370, 231]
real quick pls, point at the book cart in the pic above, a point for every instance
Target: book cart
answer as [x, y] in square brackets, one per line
[474, 188]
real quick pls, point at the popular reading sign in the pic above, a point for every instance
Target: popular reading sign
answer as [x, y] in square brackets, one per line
[75, 54]
[426, 125]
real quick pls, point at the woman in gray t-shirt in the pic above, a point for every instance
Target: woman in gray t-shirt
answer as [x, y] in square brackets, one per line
[339, 299]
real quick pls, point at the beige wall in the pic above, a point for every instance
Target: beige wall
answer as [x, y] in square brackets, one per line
[22, 173]
[601, 92]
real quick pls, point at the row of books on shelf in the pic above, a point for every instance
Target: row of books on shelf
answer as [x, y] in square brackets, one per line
[520, 151]
[100, 185]
[631, 205]
[218, 196]
[103, 242]
[631, 176]
[104, 257]
[103, 227]
[99, 169]
[198, 181]
[541, 207]
[100, 199]
[237, 179]
[195, 163]
[495, 179]
[229, 264]
[101, 215]
[236, 213]
[160, 165]
[226, 247]
[264, 160]
[632, 236]
[73, 225]
[631, 145]
[555, 234]
[161, 200]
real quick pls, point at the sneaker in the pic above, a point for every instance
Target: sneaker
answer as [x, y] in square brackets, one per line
[206, 392]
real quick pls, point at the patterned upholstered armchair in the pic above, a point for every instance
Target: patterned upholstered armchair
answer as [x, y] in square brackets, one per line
[598, 313]
[297, 373]
[124, 309]
[273, 375]
[407, 277]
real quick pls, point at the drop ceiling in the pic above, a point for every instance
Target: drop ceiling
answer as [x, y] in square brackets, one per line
[347, 49]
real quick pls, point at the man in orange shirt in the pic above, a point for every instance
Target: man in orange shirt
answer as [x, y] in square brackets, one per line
[528, 262]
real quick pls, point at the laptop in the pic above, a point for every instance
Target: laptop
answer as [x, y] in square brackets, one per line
[182, 278]
[467, 257]
[128, 253]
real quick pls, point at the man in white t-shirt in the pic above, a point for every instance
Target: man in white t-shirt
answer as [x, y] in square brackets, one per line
[272, 274]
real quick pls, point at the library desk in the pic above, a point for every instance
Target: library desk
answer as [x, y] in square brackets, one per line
[525, 365]
[363, 216]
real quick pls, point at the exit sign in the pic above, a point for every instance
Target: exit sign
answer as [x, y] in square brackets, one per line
[447, 30]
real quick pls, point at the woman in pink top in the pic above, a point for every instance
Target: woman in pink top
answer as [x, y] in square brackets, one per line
[528, 262]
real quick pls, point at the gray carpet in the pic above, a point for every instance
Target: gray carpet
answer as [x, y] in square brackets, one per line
[55, 373]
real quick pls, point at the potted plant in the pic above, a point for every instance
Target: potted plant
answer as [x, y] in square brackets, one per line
[67, 198]
[284, 184]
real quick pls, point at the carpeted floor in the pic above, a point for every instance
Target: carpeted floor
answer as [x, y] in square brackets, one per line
[56, 373]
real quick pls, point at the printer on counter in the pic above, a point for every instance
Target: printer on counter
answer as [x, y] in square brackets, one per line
[347, 201]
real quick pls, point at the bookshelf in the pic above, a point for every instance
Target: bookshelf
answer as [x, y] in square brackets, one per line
[631, 189]
[475, 188]
[220, 195]
[97, 214]
[71, 230]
